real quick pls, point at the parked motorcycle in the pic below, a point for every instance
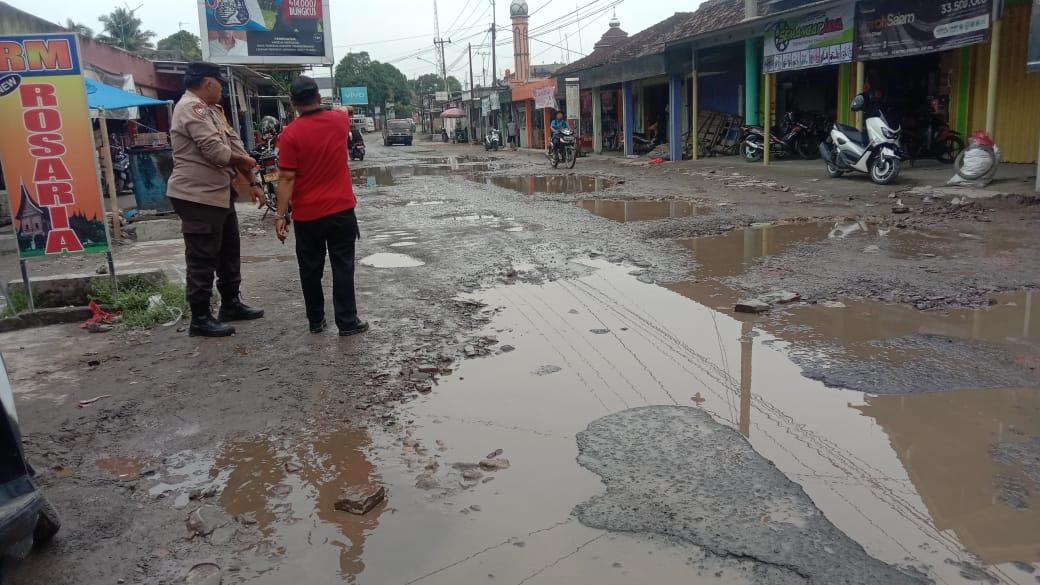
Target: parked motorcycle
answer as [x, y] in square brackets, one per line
[876, 153]
[565, 149]
[461, 135]
[120, 165]
[493, 139]
[444, 135]
[357, 150]
[935, 139]
[266, 156]
[790, 140]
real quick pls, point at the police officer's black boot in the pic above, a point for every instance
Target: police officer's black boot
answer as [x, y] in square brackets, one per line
[204, 325]
[233, 309]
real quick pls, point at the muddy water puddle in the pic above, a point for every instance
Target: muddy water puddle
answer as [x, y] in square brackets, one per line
[389, 175]
[552, 184]
[123, 468]
[391, 260]
[642, 210]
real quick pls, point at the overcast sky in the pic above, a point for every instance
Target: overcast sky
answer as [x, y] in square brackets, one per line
[402, 31]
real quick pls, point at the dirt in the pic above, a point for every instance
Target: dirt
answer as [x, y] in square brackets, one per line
[525, 315]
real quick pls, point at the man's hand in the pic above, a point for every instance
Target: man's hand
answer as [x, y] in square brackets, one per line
[246, 164]
[281, 228]
[256, 192]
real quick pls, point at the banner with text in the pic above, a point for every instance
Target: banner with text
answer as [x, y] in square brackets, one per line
[47, 147]
[813, 40]
[266, 32]
[353, 96]
[545, 97]
[895, 28]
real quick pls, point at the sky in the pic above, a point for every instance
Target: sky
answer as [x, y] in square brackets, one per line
[402, 31]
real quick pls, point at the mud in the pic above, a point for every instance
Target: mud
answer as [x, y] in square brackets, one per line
[721, 495]
[390, 260]
[552, 184]
[641, 210]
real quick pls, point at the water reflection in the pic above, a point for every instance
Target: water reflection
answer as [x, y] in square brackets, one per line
[641, 210]
[553, 184]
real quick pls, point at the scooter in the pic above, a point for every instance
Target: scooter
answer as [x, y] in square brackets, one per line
[789, 142]
[876, 153]
[493, 140]
[120, 166]
[565, 149]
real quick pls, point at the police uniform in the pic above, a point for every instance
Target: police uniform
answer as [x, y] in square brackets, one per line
[202, 192]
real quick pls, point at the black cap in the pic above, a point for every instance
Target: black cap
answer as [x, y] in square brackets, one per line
[206, 69]
[304, 90]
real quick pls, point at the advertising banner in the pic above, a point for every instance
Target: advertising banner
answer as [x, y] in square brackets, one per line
[47, 147]
[573, 99]
[895, 28]
[485, 106]
[812, 40]
[353, 96]
[545, 97]
[266, 32]
[1033, 59]
[496, 103]
[441, 96]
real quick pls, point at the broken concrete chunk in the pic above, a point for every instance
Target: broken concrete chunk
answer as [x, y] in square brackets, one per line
[751, 306]
[361, 498]
[781, 297]
[204, 520]
[494, 464]
[472, 475]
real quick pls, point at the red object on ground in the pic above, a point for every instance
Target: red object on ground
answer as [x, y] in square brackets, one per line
[315, 147]
[99, 316]
[981, 138]
[658, 161]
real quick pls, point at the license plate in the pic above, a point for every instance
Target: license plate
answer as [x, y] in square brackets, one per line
[271, 177]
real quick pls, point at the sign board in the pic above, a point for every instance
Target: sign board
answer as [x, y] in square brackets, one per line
[353, 96]
[573, 99]
[496, 103]
[895, 28]
[485, 106]
[441, 96]
[812, 40]
[545, 97]
[47, 147]
[266, 32]
[1033, 58]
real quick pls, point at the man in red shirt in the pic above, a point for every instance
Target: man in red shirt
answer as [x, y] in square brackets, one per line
[312, 156]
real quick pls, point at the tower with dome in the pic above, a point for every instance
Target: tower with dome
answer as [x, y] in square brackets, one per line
[521, 42]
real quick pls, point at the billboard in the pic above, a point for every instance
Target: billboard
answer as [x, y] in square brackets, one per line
[47, 147]
[266, 32]
[353, 96]
[545, 97]
[895, 28]
[812, 40]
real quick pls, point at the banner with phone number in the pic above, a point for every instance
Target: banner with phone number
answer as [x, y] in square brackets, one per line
[896, 28]
[47, 147]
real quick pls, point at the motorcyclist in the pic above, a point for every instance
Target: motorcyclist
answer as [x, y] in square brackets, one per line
[558, 125]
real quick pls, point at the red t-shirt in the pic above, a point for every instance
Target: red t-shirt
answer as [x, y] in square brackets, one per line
[315, 147]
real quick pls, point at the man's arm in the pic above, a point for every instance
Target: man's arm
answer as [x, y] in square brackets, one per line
[286, 181]
[207, 138]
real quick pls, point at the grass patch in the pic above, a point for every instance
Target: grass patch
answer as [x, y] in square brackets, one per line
[133, 297]
[17, 301]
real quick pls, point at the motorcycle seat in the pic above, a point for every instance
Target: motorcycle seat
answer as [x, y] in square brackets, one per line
[854, 134]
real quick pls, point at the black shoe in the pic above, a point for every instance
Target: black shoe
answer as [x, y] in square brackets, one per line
[235, 310]
[357, 328]
[319, 326]
[204, 325]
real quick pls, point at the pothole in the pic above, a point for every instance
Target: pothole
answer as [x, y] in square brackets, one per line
[642, 209]
[554, 184]
[391, 260]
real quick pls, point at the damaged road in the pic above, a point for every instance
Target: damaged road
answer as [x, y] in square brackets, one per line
[513, 307]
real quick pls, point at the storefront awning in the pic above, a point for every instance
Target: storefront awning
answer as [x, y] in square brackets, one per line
[106, 97]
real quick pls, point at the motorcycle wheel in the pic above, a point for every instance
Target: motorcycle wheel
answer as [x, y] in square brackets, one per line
[834, 171]
[884, 170]
[572, 157]
[805, 149]
[555, 159]
[750, 154]
[950, 149]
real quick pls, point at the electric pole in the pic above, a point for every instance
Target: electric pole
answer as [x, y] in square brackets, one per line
[469, 119]
[494, 59]
[438, 43]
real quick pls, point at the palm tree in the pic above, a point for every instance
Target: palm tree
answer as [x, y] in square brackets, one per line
[123, 30]
[79, 28]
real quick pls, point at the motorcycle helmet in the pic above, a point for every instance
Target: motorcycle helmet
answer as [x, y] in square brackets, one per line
[858, 103]
[270, 127]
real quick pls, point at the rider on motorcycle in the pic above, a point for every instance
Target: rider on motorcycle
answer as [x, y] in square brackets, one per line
[558, 125]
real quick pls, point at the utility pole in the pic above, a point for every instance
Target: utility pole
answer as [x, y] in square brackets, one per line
[469, 108]
[438, 43]
[494, 60]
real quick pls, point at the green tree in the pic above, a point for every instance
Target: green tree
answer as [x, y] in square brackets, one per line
[384, 81]
[432, 83]
[180, 46]
[79, 28]
[123, 29]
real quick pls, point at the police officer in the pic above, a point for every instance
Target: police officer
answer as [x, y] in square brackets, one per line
[207, 159]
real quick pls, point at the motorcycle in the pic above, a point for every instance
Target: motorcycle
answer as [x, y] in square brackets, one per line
[266, 156]
[444, 135]
[461, 135]
[565, 149]
[935, 139]
[120, 165]
[876, 153]
[493, 140]
[790, 141]
[357, 150]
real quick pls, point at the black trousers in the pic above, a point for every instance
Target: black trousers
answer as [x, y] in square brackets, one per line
[211, 247]
[336, 234]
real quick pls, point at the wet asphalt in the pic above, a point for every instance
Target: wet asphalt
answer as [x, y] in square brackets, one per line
[557, 389]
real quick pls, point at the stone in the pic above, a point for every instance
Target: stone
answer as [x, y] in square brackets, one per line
[507, 348]
[751, 306]
[781, 297]
[361, 499]
[495, 453]
[472, 475]
[222, 536]
[293, 466]
[494, 464]
[426, 481]
[205, 519]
